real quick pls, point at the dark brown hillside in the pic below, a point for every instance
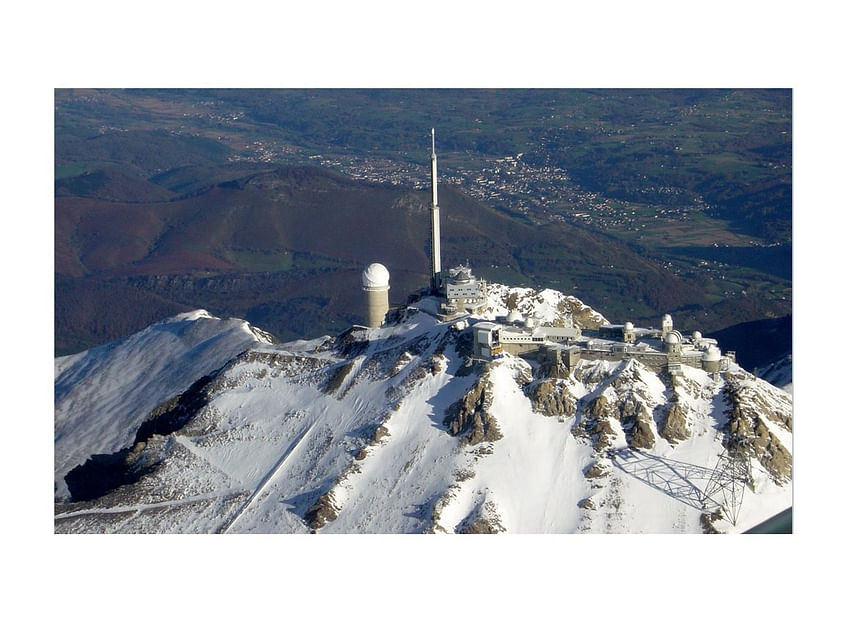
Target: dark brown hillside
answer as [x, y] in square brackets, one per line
[96, 236]
[112, 185]
[90, 312]
[285, 248]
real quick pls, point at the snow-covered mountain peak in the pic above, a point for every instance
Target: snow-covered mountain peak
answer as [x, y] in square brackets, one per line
[197, 424]
[547, 307]
[102, 395]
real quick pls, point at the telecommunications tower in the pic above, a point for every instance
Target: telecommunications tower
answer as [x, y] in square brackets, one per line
[435, 224]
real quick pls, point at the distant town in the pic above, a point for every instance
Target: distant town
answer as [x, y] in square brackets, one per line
[510, 183]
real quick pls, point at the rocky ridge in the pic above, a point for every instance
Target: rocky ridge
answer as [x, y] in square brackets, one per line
[398, 430]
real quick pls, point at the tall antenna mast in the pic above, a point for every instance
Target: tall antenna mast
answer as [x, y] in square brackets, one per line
[435, 223]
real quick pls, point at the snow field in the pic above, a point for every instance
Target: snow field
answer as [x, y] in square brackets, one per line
[410, 468]
[289, 423]
[117, 385]
[532, 475]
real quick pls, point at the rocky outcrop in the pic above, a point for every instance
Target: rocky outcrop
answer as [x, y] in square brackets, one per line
[321, 512]
[587, 504]
[622, 404]
[481, 526]
[484, 519]
[636, 422]
[582, 315]
[471, 415]
[597, 424]
[604, 434]
[675, 428]
[351, 342]
[552, 398]
[337, 377]
[638, 429]
[707, 520]
[595, 470]
[751, 414]
[600, 407]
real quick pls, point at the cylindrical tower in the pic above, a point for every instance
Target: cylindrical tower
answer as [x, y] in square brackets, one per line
[375, 282]
[666, 325]
[712, 360]
[672, 342]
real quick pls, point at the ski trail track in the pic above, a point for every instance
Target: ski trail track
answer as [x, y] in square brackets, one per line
[138, 508]
[268, 478]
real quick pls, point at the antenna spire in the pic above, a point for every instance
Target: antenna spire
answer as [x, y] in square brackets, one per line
[435, 223]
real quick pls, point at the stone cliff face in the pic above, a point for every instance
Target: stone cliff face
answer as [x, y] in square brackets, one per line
[620, 404]
[472, 414]
[552, 398]
[675, 428]
[757, 412]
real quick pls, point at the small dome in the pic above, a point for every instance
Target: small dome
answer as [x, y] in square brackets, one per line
[696, 336]
[673, 337]
[713, 354]
[629, 326]
[529, 322]
[513, 316]
[375, 276]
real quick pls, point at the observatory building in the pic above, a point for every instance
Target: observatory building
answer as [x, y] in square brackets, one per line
[562, 348]
[463, 292]
[375, 281]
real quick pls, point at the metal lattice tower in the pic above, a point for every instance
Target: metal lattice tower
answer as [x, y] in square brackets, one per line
[731, 474]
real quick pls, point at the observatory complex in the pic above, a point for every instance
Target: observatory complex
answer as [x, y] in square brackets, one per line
[459, 292]
[561, 348]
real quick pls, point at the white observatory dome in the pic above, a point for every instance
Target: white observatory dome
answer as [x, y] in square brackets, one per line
[375, 276]
[696, 335]
[529, 322]
[513, 316]
[672, 337]
[628, 326]
[713, 354]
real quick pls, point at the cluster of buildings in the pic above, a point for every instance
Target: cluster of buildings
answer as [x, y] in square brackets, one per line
[459, 292]
[561, 348]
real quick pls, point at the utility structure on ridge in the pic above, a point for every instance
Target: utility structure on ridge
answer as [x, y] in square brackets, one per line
[731, 475]
[435, 224]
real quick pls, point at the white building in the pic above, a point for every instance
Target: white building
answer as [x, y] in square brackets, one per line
[656, 348]
[491, 339]
[375, 280]
[463, 291]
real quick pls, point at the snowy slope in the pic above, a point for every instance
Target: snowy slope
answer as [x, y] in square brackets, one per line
[103, 394]
[392, 431]
[778, 372]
